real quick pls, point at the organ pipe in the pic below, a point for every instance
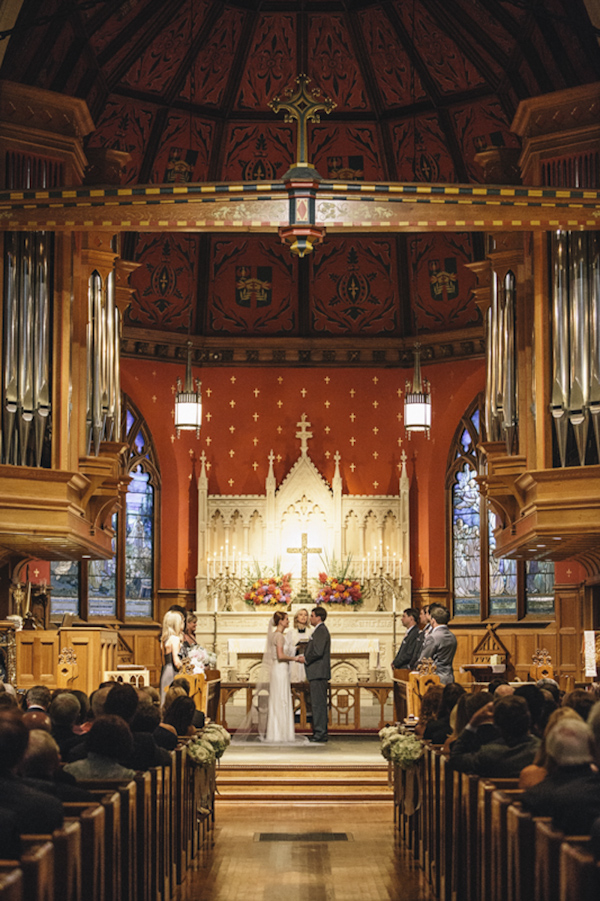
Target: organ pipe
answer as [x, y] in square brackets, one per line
[103, 374]
[575, 339]
[26, 404]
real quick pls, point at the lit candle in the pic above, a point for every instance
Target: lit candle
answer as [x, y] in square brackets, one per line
[387, 559]
[368, 564]
[221, 560]
[226, 551]
[362, 570]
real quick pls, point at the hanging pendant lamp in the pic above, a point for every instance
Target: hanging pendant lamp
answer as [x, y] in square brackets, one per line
[188, 402]
[417, 400]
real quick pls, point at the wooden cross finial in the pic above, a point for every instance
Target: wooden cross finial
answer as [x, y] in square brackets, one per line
[303, 107]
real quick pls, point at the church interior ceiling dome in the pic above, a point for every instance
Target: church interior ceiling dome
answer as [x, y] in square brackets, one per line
[420, 86]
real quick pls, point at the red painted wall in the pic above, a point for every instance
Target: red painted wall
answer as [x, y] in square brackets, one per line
[249, 412]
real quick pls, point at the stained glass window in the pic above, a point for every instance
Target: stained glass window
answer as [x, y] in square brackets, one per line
[64, 579]
[102, 583]
[139, 545]
[502, 578]
[485, 586]
[466, 543]
[539, 587]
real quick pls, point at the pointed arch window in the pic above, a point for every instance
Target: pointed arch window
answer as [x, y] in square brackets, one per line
[122, 587]
[484, 586]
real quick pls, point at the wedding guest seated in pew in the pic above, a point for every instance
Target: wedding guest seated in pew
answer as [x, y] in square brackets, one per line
[438, 729]
[500, 688]
[182, 682]
[504, 757]
[108, 743]
[581, 701]
[543, 764]
[37, 719]
[41, 769]
[482, 728]
[10, 837]
[64, 712]
[430, 705]
[38, 697]
[146, 721]
[570, 794]
[83, 723]
[177, 723]
[36, 812]
[534, 698]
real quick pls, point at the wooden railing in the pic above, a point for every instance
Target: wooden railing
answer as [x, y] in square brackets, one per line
[134, 842]
[344, 704]
[473, 839]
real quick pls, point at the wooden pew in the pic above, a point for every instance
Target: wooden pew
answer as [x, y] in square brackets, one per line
[547, 860]
[127, 792]
[36, 866]
[91, 818]
[469, 835]
[486, 788]
[156, 789]
[520, 827]
[11, 884]
[501, 801]
[143, 829]
[579, 873]
[66, 843]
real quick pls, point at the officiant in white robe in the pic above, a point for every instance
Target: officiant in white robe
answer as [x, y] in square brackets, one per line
[301, 631]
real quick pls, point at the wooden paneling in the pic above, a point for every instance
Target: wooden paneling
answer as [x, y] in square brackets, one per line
[37, 658]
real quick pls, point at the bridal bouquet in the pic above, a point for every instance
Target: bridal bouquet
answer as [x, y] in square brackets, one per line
[270, 589]
[202, 659]
[401, 748]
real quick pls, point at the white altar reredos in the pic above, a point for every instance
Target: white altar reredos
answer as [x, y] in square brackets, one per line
[237, 531]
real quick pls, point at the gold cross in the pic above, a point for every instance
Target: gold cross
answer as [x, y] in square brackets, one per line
[305, 551]
[303, 107]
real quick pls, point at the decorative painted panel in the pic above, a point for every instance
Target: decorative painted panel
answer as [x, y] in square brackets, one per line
[271, 62]
[121, 19]
[479, 126]
[345, 152]
[421, 150]
[213, 63]
[155, 68]
[164, 283]
[182, 156]
[253, 287]
[126, 126]
[398, 82]
[332, 65]
[257, 152]
[442, 298]
[355, 287]
[447, 65]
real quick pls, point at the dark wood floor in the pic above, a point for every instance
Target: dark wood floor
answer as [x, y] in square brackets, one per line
[371, 866]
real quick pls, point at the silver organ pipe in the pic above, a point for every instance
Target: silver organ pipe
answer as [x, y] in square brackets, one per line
[26, 348]
[560, 342]
[509, 381]
[103, 374]
[501, 381]
[575, 339]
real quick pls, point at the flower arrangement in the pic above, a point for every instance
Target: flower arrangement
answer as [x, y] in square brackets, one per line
[218, 737]
[337, 586]
[269, 589]
[202, 659]
[201, 751]
[400, 747]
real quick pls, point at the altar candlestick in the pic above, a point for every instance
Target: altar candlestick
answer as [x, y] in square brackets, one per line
[226, 551]
[216, 604]
[393, 603]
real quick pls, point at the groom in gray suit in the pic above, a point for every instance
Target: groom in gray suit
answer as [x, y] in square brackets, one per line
[317, 661]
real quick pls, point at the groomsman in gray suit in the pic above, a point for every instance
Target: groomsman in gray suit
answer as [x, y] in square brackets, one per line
[440, 644]
[317, 662]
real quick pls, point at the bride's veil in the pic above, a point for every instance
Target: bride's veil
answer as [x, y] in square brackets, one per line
[254, 724]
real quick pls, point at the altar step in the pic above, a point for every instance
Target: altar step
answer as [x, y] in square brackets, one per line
[303, 783]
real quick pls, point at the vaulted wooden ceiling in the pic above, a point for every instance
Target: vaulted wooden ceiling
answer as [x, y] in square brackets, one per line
[183, 86]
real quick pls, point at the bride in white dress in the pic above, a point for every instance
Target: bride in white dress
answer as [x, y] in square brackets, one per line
[280, 715]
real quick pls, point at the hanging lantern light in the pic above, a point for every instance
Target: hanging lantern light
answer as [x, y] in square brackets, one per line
[188, 402]
[417, 400]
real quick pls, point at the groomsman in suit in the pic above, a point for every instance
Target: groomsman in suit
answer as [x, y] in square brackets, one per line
[317, 662]
[410, 618]
[424, 622]
[440, 643]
